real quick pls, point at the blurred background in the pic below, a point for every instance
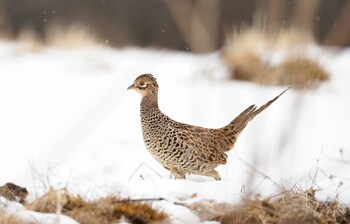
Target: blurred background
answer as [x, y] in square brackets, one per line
[190, 25]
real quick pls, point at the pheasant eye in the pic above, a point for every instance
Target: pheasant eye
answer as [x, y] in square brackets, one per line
[142, 85]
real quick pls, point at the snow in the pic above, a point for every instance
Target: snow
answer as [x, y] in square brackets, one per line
[66, 120]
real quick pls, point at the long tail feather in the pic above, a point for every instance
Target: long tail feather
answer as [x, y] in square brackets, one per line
[235, 127]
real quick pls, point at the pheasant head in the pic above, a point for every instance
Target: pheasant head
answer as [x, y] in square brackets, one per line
[145, 84]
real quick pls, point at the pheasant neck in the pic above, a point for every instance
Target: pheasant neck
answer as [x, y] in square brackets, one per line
[150, 102]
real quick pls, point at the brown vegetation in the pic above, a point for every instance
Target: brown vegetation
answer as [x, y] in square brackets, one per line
[109, 209]
[298, 72]
[294, 206]
[287, 208]
[250, 55]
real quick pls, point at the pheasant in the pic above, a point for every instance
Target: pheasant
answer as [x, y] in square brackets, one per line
[182, 148]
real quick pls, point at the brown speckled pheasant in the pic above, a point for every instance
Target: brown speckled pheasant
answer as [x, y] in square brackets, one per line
[182, 148]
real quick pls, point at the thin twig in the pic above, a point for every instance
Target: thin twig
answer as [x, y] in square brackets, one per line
[140, 200]
[144, 164]
[257, 171]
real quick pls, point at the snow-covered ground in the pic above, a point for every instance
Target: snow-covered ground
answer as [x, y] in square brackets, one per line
[66, 120]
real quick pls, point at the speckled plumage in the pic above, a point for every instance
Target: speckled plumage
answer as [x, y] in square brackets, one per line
[182, 148]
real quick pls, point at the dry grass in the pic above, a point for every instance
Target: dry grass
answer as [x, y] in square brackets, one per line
[73, 36]
[287, 208]
[67, 37]
[110, 209]
[294, 206]
[295, 71]
[10, 219]
[251, 55]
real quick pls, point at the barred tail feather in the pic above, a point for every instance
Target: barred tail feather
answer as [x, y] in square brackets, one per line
[235, 127]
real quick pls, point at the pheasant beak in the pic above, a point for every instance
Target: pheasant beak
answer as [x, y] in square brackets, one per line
[130, 87]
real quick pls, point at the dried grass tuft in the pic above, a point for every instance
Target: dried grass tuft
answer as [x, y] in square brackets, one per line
[55, 35]
[73, 36]
[251, 55]
[297, 72]
[287, 208]
[110, 209]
